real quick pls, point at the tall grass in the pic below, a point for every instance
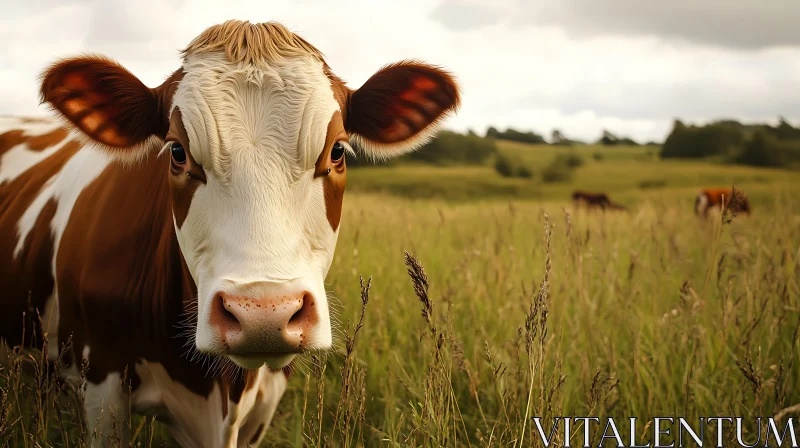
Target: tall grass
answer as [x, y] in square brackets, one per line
[479, 316]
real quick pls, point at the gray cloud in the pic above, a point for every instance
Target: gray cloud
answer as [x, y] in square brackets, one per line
[741, 24]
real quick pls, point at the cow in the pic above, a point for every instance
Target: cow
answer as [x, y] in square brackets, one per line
[595, 200]
[709, 198]
[179, 236]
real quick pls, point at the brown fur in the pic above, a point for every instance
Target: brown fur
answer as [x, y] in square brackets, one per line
[334, 174]
[11, 139]
[719, 197]
[42, 142]
[26, 280]
[185, 179]
[595, 200]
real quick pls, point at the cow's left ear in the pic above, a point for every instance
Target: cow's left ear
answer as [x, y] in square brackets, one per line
[399, 107]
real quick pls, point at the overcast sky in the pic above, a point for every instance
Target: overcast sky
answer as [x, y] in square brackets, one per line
[629, 66]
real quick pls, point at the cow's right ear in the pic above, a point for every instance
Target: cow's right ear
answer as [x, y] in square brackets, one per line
[106, 102]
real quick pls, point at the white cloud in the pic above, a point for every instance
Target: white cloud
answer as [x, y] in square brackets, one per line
[513, 74]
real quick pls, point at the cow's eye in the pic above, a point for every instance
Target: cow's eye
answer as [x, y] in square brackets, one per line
[178, 153]
[337, 152]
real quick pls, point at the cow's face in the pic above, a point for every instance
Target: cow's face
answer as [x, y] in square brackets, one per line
[257, 173]
[255, 139]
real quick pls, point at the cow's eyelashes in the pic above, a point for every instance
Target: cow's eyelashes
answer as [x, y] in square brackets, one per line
[178, 153]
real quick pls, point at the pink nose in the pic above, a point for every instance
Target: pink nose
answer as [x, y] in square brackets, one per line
[277, 323]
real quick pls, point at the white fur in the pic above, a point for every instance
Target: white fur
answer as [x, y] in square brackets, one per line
[28, 219]
[80, 171]
[261, 216]
[381, 151]
[107, 411]
[701, 203]
[197, 421]
[19, 158]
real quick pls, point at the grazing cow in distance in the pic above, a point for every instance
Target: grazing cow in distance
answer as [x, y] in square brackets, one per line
[709, 198]
[198, 216]
[595, 200]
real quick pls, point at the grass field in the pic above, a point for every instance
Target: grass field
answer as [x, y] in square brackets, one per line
[629, 174]
[528, 307]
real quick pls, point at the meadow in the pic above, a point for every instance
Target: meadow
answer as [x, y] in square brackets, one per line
[485, 301]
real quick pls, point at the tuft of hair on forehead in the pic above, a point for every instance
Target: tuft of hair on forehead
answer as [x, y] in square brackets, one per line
[251, 43]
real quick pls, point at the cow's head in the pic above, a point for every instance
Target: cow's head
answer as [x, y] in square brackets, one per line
[254, 128]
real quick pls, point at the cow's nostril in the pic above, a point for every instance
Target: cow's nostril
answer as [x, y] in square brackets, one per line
[300, 318]
[222, 318]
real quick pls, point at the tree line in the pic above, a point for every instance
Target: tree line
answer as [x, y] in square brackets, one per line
[454, 148]
[726, 140]
[558, 138]
[732, 141]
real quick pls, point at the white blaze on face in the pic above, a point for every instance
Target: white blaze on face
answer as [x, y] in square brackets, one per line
[261, 215]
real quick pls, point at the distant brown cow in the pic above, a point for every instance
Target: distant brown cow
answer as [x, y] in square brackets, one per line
[592, 200]
[709, 198]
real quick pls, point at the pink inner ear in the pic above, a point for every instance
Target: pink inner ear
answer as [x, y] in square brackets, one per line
[112, 135]
[93, 121]
[424, 83]
[412, 111]
[398, 130]
[76, 81]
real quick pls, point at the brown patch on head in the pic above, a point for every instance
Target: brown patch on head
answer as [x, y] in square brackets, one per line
[333, 173]
[340, 91]
[185, 178]
[164, 95]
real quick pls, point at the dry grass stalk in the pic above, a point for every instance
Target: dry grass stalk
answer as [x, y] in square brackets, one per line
[349, 410]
